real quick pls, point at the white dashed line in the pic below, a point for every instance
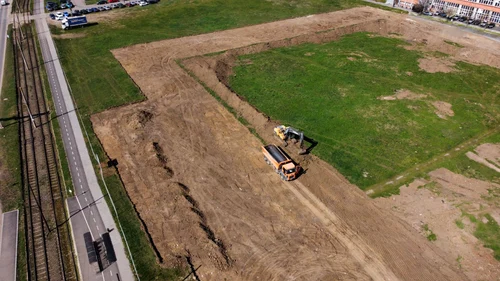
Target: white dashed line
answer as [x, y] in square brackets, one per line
[86, 199]
[91, 213]
[94, 219]
[97, 227]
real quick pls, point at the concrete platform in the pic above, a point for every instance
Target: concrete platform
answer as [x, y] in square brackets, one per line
[8, 247]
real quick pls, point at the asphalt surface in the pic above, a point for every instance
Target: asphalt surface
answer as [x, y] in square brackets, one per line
[95, 216]
[8, 246]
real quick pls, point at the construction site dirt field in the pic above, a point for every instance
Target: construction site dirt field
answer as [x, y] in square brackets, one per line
[199, 182]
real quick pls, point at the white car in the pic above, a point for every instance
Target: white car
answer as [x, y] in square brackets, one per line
[143, 3]
[59, 16]
[4, 2]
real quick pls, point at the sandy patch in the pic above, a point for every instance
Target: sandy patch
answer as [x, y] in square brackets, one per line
[403, 94]
[433, 65]
[443, 109]
[487, 154]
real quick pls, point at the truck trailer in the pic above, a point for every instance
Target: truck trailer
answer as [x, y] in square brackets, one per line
[71, 22]
[283, 165]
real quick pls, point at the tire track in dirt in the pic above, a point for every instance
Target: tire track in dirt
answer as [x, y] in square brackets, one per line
[371, 262]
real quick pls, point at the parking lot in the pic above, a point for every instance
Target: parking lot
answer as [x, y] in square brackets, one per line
[59, 11]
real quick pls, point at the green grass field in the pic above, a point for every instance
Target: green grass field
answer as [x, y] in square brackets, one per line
[320, 89]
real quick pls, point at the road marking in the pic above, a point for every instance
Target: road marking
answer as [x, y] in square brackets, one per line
[94, 219]
[78, 174]
[91, 213]
[76, 168]
[72, 153]
[86, 199]
[80, 180]
[97, 227]
[111, 273]
[83, 214]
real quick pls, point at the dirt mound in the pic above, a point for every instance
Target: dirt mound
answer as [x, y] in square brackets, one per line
[433, 65]
[240, 221]
[443, 109]
[403, 94]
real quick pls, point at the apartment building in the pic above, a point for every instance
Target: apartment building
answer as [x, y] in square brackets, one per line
[486, 10]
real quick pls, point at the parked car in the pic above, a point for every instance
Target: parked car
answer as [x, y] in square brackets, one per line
[455, 18]
[106, 8]
[143, 3]
[152, 1]
[50, 6]
[101, 9]
[491, 25]
[59, 16]
[424, 13]
[69, 5]
[84, 11]
[120, 5]
[113, 6]
[470, 21]
[95, 10]
[52, 16]
[63, 6]
[65, 14]
[76, 13]
[113, 1]
[476, 22]
[133, 3]
[463, 19]
[102, 2]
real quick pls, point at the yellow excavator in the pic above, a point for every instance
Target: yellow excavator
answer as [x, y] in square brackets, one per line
[288, 133]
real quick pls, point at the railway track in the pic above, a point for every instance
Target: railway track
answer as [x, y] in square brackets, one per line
[49, 255]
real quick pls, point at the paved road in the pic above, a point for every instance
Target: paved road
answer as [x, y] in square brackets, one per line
[8, 245]
[4, 23]
[96, 216]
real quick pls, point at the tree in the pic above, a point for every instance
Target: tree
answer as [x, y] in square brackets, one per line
[425, 4]
[418, 8]
[450, 12]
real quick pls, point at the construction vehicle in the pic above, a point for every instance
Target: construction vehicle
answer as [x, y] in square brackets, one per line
[283, 165]
[288, 133]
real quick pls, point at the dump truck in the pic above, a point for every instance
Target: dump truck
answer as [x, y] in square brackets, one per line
[283, 165]
[71, 22]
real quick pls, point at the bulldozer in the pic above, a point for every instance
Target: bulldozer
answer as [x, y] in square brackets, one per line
[288, 133]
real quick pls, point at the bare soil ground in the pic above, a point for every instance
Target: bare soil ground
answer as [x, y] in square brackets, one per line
[198, 180]
[487, 154]
[438, 203]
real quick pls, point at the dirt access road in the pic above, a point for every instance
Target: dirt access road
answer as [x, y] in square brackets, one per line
[198, 180]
